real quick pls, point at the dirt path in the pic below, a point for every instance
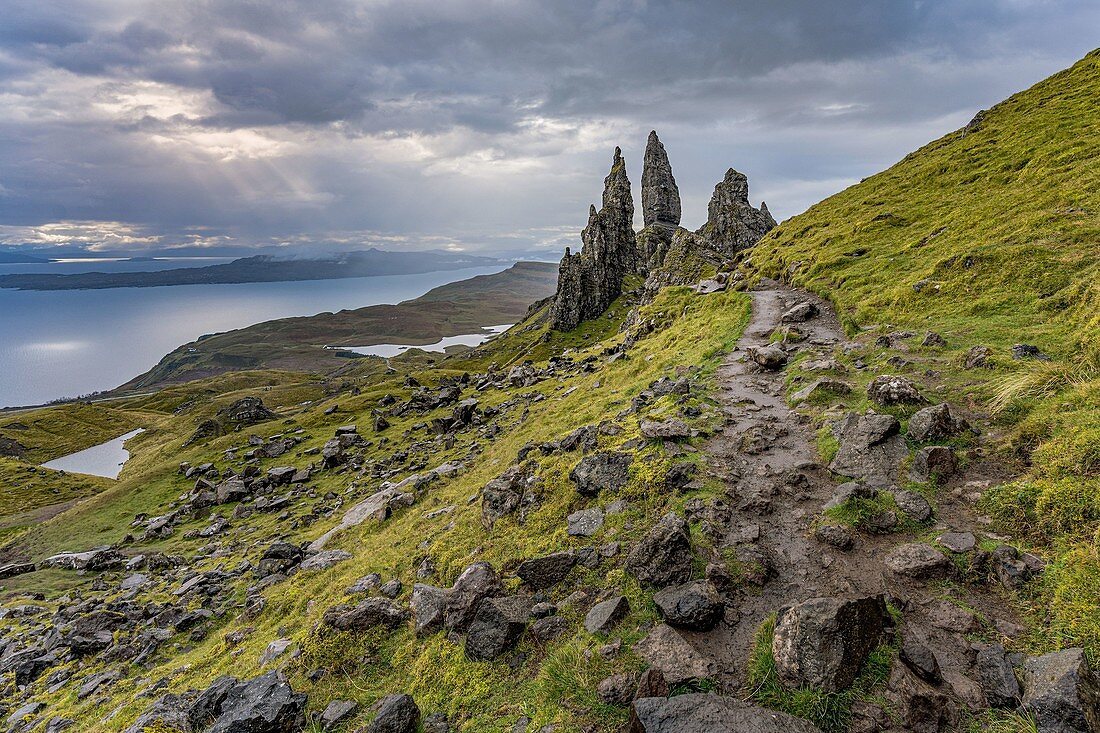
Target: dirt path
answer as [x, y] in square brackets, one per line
[776, 487]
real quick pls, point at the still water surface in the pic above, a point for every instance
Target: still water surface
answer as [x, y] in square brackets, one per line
[73, 342]
[105, 459]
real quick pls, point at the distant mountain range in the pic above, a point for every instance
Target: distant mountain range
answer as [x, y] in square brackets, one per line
[261, 268]
[17, 258]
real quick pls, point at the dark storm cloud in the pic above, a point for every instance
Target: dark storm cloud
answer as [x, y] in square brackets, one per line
[474, 122]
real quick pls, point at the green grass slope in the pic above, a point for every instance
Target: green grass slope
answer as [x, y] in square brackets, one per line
[991, 236]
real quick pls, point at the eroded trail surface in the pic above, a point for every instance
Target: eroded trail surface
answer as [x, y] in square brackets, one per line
[776, 488]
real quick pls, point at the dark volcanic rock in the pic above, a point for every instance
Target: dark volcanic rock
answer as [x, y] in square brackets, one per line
[660, 196]
[694, 605]
[937, 422]
[504, 494]
[266, 704]
[396, 714]
[918, 560]
[603, 616]
[997, 678]
[732, 223]
[246, 411]
[366, 614]
[605, 471]
[710, 713]
[663, 556]
[496, 627]
[889, 389]
[1062, 692]
[476, 583]
[429, 605]
[871, 448]
[589, 281]
[822, 642]
[548, 570]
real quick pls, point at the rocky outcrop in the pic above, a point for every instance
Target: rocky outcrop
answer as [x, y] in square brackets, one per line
[588, 282]
[823, 642]
[732, 222]
[704, 713]
[660, 196]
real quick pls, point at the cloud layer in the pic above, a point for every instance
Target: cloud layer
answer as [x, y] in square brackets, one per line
[477, 124]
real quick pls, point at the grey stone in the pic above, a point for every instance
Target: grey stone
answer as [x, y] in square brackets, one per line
[918, 561]
[933, 462]
[429, 606]
[548, 570]
[771, 357]
[823, 642]
[889, 389]
[871, 448]
[666, 649]
[937, 422]
[694, 605]
[915, 506]
[372, 612]
[663, 556]
[477, 582]
[266, 704]
[604, 471]
[584, 523]
[799, 313]
[496, 627]
[997, 678]
[605, 615]
[1062, 692]
[732, 223]
[336, 713]
[396, 714]
[710, 713]
[958, 541]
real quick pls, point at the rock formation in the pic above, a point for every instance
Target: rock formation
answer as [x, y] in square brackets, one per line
[589, 281]
[732, 222]
[660, 196]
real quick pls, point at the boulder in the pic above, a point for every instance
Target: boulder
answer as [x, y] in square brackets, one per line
[958, 541]
[671, 429]
[695, 605]
[604, 471]
[888, 389]
[918, 560]
[548, 570]
[605, 615]
[917, 706]
[429, 605]
[920, 659]
[476, 583]
[937, 422]
[336, 713]
[496, 627]
[367, 614]
[504, 494]
[666, 649]
[933, 463]
[835, 535]
[618, 689]
[1062, 692]
[247, 411]
[710, 713]
[771, 357]
[824, 385]
[871, 448]
[915, 506]
[584, 523]
[663, 556]
[396, 714]
[266, 704]
[997, 678]
[978, 357]
[823, 642]
[799, 313]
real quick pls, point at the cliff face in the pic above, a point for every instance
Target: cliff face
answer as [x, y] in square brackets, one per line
[732, 222]
[589, 281]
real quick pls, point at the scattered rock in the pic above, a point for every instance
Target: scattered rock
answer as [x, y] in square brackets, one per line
[1062, 692]
[918, 560]
[496, 627]
[933, 339]
[771, 357]
[915, 506]
[694, 605]
[667, 650]
[336, 713]
[663, 556]
[823, 642]
[997, 678]
[871, 448]
[937, 422]
[890, 390]
[978, 357]
[366, 614]
[799, 313]
[1027, 351]
[477, 582]
[605, 471]
[958, 541]
[266, 704]
[824, 385]
[835, 535]
[710, 713]
[584, 523]
[396, 714]
[671, 429]
[548, 570]
[618, 689]
[605, 615]
[920, 659]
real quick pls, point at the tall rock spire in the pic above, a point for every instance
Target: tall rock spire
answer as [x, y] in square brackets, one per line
[590, 280]
[660, 196]
[732, 222]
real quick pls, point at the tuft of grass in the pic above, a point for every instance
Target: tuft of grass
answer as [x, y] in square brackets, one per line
[829, 711]
[1040, 380]
[1001, 721]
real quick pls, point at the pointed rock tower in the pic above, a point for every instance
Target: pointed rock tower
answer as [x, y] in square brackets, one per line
[732, 223]
[660, 196]
[589, 281]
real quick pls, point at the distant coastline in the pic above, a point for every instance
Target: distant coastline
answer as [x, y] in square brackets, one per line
[257, 269]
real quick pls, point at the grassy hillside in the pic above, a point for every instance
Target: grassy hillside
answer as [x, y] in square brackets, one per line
[991, 236]
[684, 329]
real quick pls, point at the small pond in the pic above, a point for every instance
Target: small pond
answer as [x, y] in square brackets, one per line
[105, 459]
[387, 351]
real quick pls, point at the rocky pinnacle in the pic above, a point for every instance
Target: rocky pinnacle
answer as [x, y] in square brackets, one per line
[660, 196]
[732, 222]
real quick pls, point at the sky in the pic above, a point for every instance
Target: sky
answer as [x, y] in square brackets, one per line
[487, 126]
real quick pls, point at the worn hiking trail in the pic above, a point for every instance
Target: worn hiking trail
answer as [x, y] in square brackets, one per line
[776, 486]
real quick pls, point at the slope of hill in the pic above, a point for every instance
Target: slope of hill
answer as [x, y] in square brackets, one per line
[990, 236]
[701, 509]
